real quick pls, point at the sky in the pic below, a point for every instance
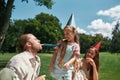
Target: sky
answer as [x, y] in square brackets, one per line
[91, 16]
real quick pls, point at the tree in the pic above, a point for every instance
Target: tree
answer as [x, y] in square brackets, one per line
[45, 27]
[115, 47]
[6, 7]
[86, 41]
[5, 14]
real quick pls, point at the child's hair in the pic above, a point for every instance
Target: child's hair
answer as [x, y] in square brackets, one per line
[77, 64]
[63, 45]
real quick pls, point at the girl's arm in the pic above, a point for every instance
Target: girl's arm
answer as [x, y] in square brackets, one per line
[95, 72]
[66, 65]
[53, 60]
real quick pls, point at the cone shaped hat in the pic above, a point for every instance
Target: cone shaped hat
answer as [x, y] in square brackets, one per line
[97, 46]
[71, 21]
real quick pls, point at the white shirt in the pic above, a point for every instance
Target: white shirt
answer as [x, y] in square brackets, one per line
[25, 66]
[80, 75]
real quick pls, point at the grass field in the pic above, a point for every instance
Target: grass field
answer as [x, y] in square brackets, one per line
[109, 65]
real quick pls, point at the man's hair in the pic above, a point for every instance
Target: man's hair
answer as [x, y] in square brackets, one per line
[22, 41]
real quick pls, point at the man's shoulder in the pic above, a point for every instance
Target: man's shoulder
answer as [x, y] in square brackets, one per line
[18, 56]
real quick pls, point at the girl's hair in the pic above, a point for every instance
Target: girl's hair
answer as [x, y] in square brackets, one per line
[22, 41]
[63, 45]
[97, 62]
[78, 61]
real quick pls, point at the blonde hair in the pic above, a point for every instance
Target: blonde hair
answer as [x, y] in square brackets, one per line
[62, 49]
[76, 63]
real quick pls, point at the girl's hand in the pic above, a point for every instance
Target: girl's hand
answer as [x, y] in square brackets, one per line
[66, 66]
[90, 61]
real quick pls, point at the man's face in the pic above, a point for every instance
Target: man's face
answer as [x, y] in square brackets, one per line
[35, 43]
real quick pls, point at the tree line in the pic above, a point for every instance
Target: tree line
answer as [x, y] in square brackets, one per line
[47, 28]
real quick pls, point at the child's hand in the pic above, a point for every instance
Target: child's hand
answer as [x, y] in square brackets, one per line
[41, 77]
[90, 61]
[66, 66]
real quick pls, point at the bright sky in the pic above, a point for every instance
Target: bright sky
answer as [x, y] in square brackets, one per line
[91, 16]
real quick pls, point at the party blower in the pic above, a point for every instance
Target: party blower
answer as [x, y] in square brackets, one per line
[52, 45]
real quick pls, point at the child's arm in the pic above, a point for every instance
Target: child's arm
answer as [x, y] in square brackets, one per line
[66, 65]
[53, 60]
[95, 73]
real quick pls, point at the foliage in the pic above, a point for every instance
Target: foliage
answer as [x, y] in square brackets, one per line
[45, 27]
[6, 7]
[86, 41]
[115, 47]
[50, 28]
[47, 3]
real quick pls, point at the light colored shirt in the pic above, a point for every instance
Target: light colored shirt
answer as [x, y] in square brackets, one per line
[80, 75]
[25, 66]
[84, 68]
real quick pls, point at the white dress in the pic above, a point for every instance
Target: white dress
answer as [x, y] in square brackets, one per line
[79, 75]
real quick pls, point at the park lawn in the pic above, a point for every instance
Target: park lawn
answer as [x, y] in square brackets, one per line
[109, 65]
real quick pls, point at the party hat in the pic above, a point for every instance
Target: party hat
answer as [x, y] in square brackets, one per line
[71, 21]
[97, 46]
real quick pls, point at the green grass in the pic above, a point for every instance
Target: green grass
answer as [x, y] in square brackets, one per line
[109, 65]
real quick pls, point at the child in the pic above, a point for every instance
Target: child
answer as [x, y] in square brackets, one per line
[78, 73]
[65, 54]
[89, 64]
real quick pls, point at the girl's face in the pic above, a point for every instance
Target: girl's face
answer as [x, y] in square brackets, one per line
[68, 34]
[91, 53]
[78, 64]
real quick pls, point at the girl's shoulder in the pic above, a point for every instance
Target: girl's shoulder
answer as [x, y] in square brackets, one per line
[73, 43]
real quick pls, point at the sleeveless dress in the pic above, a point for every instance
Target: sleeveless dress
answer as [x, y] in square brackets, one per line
[60, 73]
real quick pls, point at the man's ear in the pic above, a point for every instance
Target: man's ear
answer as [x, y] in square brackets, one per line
[28, 44]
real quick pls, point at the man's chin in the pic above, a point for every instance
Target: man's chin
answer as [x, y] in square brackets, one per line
[40, 48]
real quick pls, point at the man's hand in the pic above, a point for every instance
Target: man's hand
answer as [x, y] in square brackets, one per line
[41, 77]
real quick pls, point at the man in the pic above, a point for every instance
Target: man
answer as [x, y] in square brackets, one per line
[26, 65]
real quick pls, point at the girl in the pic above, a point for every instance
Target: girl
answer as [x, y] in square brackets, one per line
[90, 63]
[78, 73]
[65, 54]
